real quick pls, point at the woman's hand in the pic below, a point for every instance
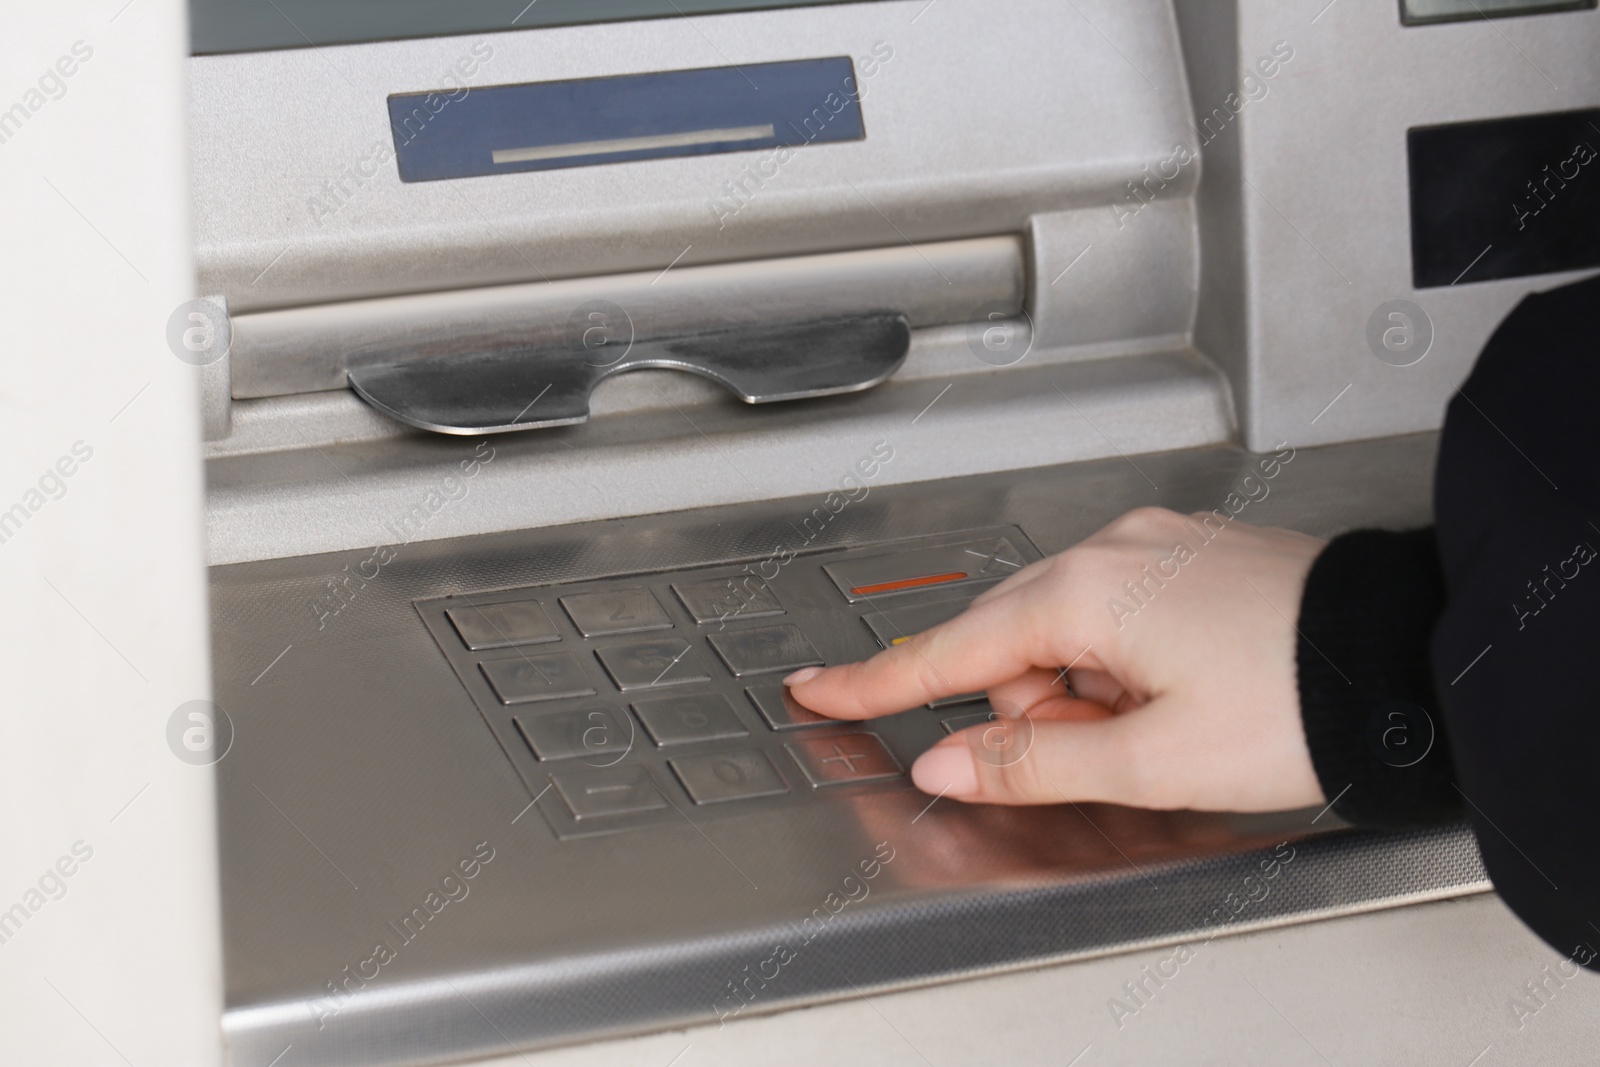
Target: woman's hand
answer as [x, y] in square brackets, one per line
[1181, 666]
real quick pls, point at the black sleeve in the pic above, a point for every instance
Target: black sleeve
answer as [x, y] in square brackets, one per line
[1483, 635]
[1366, 693]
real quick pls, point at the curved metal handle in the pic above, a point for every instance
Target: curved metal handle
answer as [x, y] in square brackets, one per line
[549, 385]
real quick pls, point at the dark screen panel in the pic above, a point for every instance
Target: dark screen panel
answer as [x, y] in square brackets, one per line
[261, 25]
[1504, 198]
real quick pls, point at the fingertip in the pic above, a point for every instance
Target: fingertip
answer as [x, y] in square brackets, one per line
[946, 769]
[816, 689]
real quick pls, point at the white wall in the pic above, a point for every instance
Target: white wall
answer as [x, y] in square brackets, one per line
[103, 627]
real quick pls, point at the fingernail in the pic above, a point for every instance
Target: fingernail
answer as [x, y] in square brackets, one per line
[946, 769]
[805, 674]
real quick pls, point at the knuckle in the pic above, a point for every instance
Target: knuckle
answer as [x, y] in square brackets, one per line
[1059, 574]
[1076, 564]
[1070, 595]
[1146, 520]
[1089, 566]
[1152, 514]
[1026, 779]
[1162, 522]
[920, 657]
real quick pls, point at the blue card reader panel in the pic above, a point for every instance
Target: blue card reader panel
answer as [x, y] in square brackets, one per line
[584, 122]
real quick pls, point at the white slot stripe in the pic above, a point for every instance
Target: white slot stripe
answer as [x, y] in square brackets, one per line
[632, 144]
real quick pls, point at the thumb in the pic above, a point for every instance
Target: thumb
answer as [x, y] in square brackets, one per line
[1023, 760]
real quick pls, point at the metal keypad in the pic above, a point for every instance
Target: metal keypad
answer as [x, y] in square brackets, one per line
[665, 701]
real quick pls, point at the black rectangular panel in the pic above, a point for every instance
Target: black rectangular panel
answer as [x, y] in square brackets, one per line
[1504, 198]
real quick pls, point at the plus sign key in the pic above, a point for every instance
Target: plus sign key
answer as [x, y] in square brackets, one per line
[843, 759]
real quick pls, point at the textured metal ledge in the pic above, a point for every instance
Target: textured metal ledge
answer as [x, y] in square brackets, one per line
[981, 932]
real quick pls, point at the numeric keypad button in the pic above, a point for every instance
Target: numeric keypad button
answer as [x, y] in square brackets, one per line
[727, 776]
[600, 733]
[685, 719]
[607, 793]
[781, 710]
[521, 622]
[653, 664]
[616, 611]
[843, 759]
[768, 650]
[531, 679]
[728, 599]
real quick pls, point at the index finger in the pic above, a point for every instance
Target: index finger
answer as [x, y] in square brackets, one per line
[1012, 582]
[989, 643]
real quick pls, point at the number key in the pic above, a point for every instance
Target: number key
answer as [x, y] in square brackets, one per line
[728, 599]
[727, 776]
[651, 663]
[616, 611]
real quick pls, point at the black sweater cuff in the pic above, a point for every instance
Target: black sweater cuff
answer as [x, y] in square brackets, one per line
[1367, 697]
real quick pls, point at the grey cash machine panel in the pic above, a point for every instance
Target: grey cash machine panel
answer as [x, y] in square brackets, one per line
[628, 701]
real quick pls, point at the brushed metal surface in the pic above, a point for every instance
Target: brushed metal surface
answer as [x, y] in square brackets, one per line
[1298, 232]
[362, 775]
[1304, 208]
[1427, 985]
[306, 496]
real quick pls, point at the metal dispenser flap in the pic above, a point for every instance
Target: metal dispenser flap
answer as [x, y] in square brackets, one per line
[549, 385]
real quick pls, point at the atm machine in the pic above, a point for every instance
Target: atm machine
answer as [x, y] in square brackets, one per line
[570, 374]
